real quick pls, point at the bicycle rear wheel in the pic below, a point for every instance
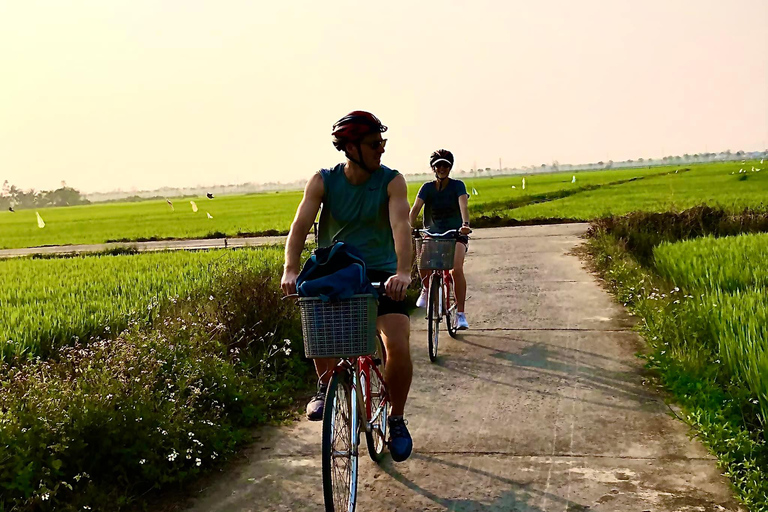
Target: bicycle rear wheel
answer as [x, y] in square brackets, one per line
[433, 315]
[339, 451]
[377, 404]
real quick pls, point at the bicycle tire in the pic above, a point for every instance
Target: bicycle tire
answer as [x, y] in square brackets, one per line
[339, 453]
[376, 396]
[450, 310]
[433, 316]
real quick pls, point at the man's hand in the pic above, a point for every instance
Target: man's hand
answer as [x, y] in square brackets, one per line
[288, 281]
[397, 285]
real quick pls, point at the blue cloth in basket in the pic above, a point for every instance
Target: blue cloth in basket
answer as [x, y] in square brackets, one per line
[333, 273]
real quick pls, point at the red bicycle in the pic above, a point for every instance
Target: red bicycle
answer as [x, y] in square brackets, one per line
[435, 252]
[356, 400]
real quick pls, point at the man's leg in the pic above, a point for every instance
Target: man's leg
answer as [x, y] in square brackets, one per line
[324, 368]
[395, 331]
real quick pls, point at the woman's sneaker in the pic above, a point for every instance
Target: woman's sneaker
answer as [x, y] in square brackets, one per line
[421, 302]
[461, 322]
[400, 442]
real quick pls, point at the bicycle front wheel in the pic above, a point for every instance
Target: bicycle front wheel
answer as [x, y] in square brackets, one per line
[339, 450]
[450, 303]
[377, 404]
[433, 316]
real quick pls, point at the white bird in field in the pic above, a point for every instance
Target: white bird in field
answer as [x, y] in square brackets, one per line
[170, 204]
[40, 222]
[209, 215]
[514, 186]
[573, 180]
[523, 183]
[194, 206]
[474, 191]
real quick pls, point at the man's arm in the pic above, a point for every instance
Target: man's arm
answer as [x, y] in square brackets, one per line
[401, 231]
[305, 217]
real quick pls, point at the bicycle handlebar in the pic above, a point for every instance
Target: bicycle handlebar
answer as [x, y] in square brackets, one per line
[379, 286]
[419, 232]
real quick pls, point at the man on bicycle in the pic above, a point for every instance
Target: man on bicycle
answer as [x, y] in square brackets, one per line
[364, 204]
[445, 208]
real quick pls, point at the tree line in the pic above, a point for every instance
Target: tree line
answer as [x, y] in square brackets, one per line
[12, 198]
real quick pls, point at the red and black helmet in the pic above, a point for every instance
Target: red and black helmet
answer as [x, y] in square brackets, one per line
[354, 126]
[441, 155]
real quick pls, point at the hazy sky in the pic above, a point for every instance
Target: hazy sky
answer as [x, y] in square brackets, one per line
[109, 94]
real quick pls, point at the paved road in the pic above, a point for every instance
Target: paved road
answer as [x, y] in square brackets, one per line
[540, 407]
[161, 245]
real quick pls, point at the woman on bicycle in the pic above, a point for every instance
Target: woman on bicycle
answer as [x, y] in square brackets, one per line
[445, 208]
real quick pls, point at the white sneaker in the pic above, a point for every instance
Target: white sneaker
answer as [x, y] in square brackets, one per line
[421, 302]
[461, 322]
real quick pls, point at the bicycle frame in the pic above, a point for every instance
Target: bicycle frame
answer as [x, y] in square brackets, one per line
[361, 409]
[446, 288]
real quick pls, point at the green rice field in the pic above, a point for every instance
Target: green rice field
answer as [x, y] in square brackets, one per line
[45, 303]
[727, 282]
[260, 213]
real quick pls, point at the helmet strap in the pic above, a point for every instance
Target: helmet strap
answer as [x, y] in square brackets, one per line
[359, 163]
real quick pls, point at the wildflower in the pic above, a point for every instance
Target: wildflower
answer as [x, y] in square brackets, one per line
[45, 496]
[198, 462]
[172, 456]
[210, 297]
[143, 461]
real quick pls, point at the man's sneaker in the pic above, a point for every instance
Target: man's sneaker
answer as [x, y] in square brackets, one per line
[421, 302]
[461, 322]
[400, 442]
[315, 405]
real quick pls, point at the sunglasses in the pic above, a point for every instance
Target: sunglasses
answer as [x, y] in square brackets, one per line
[441, 165]
[376, 144]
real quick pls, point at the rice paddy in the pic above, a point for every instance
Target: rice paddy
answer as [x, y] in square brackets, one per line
[46, 303]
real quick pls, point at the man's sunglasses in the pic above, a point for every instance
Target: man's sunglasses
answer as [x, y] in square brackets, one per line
[376, 144]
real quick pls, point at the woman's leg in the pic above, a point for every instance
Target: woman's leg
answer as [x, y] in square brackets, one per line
[459, 281]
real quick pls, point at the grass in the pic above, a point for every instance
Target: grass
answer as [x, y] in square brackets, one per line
[252, 214]
[728, 278]
[718, 185]
[150, 220]
[100, 423]
[46, 303]
[702, 306]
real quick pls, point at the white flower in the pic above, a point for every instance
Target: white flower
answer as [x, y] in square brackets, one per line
[143, 461]
[172, 456]
[198, 462]
[210, 297]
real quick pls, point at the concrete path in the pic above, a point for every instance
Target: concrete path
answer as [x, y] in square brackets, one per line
[160, 245]
[541, 406]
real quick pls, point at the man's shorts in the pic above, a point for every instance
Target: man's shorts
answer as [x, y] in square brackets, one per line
[387, 305]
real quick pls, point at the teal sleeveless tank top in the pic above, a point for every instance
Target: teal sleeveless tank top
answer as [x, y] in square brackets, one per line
[359, 215]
